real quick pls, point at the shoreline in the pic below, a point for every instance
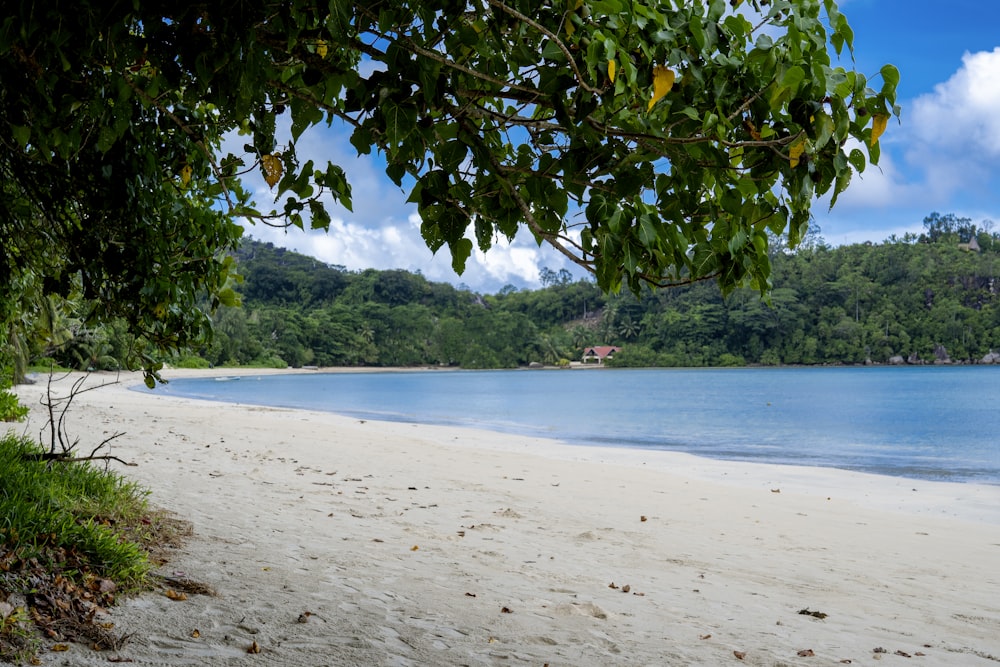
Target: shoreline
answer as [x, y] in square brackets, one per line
[406, 542]
[942, 475]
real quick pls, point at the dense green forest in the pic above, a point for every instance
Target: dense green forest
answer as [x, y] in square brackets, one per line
[923, 298]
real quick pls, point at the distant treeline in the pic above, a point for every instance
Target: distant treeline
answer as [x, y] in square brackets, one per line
[906, 297]
[918, 297]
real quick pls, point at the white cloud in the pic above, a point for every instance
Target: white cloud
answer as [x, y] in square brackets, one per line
[507, 263]
[948, 142]
[956, 128]
[943, 156]
[383, 231]
[397, 244]
[962, 112]
[878, 186]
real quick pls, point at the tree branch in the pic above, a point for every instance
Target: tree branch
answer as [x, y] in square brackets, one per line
[555, 40]
[186, 130]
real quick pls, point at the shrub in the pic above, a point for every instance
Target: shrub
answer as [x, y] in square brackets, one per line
[727, 359]
[193, 361]
[11, 409]
[269, 361]
[770, 358]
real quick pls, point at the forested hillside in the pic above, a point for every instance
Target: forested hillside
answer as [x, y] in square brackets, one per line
[916, 299]
[919, 298]
[299, 311]
[906, 297]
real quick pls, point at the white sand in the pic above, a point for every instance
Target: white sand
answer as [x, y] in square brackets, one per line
[427, 545]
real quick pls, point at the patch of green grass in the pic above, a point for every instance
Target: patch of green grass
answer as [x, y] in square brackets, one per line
[64, 522]
[46, 365]
[76, 506]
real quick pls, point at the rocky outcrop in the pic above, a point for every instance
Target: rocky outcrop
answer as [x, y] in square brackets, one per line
[941, 355]
[991, 358]
[897, 360]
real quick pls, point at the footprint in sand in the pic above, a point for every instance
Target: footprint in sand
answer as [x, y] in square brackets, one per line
[580, 609]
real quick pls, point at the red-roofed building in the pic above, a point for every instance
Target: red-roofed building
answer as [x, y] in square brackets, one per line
[598, 353]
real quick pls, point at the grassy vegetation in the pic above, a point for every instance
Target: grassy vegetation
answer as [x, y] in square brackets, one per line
[47, 365]
[72, 536]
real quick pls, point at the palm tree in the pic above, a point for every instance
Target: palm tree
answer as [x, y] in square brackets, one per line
[609, 318]
[628, 328]
[53, 326]
[93, 352]
[547, 347]
[43, 328]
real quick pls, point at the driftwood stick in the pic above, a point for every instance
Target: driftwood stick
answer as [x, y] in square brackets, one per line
[59, 457]
[60, 448]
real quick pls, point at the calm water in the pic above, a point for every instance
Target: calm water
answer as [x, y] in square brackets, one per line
[930, 423]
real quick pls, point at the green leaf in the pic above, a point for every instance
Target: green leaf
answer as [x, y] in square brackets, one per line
[22, 134]
[697, 31]
[552, 52]
[857, 160]
[737, 241]
[451, 154]
[890, 80]
[647, 231]
[823, 128]
[304, 117]
[396, 171]
[793, 78]
[229, 298]
[400, 122]
[320, 218]
[614, 221]
[362, 140]
[630, 258]
[460, 252]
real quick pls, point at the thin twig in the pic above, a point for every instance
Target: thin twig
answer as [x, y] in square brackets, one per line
[58, 432]
[555, 40]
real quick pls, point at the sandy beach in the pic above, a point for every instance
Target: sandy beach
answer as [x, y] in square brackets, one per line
[335, 541]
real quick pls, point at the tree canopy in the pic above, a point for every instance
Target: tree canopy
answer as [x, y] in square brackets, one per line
[649, 142]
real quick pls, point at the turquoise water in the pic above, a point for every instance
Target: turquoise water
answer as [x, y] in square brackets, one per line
[937, 423]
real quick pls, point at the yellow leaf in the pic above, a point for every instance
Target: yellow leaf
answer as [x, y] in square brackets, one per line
[186, 174]
[570, 28]
[611, 70]
[663, 81]
[879, 121]
[272, 168]
[321, 48]
[795, 152]
[58, 648]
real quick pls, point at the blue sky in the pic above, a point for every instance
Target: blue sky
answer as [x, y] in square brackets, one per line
[943, 155]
